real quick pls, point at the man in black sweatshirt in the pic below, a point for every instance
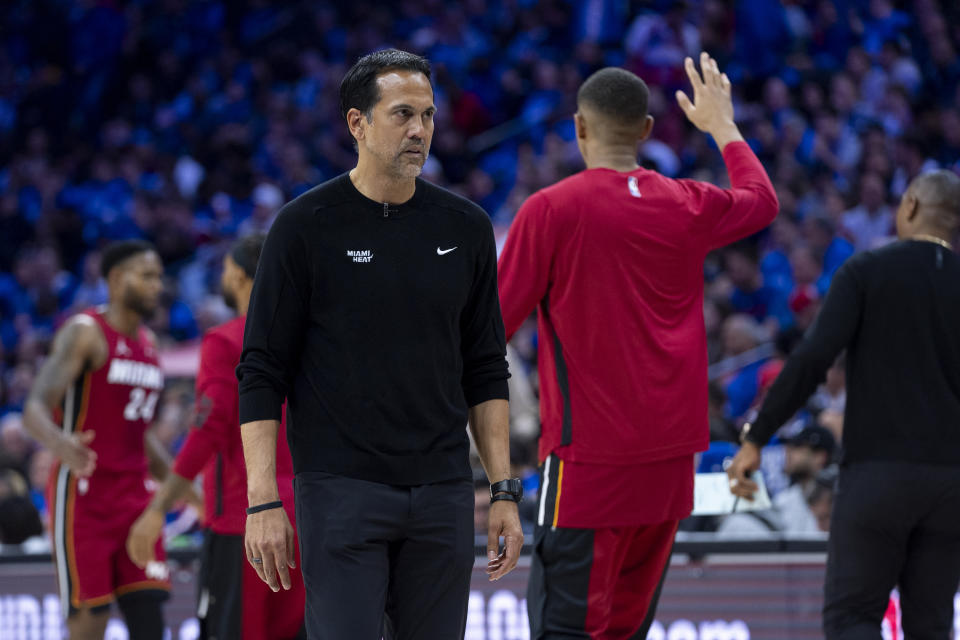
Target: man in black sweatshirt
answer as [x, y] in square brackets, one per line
[895, 518]
[375, 315]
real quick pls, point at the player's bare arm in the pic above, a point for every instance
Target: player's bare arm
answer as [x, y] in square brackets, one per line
[711, 110]
[158, 458]
[490, 427]
[269, 535]
[146, 530]
[78, 346]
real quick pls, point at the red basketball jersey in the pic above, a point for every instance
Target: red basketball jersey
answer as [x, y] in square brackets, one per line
[117, 401]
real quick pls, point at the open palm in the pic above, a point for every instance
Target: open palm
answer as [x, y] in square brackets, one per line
[712, 105]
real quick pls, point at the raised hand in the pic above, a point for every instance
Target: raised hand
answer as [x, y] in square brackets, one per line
[711, 109]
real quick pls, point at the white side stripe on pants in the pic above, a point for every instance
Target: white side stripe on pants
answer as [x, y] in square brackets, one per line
[59, 525]
[543, 490]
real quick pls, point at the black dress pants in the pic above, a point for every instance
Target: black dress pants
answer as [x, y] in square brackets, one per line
[380, 559]
[894, 524]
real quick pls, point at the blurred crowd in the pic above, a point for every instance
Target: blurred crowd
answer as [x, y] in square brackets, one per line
[191, 122]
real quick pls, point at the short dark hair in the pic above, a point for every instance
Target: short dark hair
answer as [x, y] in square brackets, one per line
[359, 90]
[616, 94]
[246, 253]
[120, 251]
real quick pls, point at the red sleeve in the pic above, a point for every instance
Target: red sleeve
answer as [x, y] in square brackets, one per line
[524, 265]
[749, 205]
[216, 409]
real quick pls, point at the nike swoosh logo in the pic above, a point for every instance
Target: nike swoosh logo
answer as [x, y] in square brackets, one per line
[442, 252]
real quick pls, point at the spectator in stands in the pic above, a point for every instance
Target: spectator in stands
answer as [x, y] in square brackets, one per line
[808, 452]
[658, 43]
[830, 400]
[741, 334]
[911, 159]
[721, 428]
[804, 299]
[92, 289]
[18, 382]
[751, 294]
[267, 199]
[775, 265]
[15, 445]
[870, 223]
[830, 144]
[833, 250]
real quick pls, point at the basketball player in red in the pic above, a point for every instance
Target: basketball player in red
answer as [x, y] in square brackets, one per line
[612, 258]
[233, 602]
[91, 404]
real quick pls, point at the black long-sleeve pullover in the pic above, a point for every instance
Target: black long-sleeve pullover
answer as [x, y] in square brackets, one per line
[380, 325]
[897, 312]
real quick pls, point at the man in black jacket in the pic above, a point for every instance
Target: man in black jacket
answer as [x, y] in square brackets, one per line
[895, 519]
[375, 314]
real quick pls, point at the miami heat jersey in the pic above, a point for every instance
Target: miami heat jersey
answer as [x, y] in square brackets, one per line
[117, 401]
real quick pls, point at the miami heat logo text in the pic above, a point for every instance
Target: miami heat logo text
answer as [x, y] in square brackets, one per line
[135, 374]
[361, 256]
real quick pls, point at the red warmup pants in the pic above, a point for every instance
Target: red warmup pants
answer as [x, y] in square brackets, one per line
[601, 584]
[590, 580]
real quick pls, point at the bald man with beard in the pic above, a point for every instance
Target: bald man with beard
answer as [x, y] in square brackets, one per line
[896, 311]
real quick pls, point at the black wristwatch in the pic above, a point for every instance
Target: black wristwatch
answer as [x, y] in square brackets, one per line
[510, 489]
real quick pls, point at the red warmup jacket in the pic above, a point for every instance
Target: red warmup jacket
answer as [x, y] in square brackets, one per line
[613, 262]
[214, 445]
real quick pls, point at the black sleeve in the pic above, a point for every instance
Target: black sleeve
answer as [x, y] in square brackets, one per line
[482, 341]
[807, 365]
[276, 321]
